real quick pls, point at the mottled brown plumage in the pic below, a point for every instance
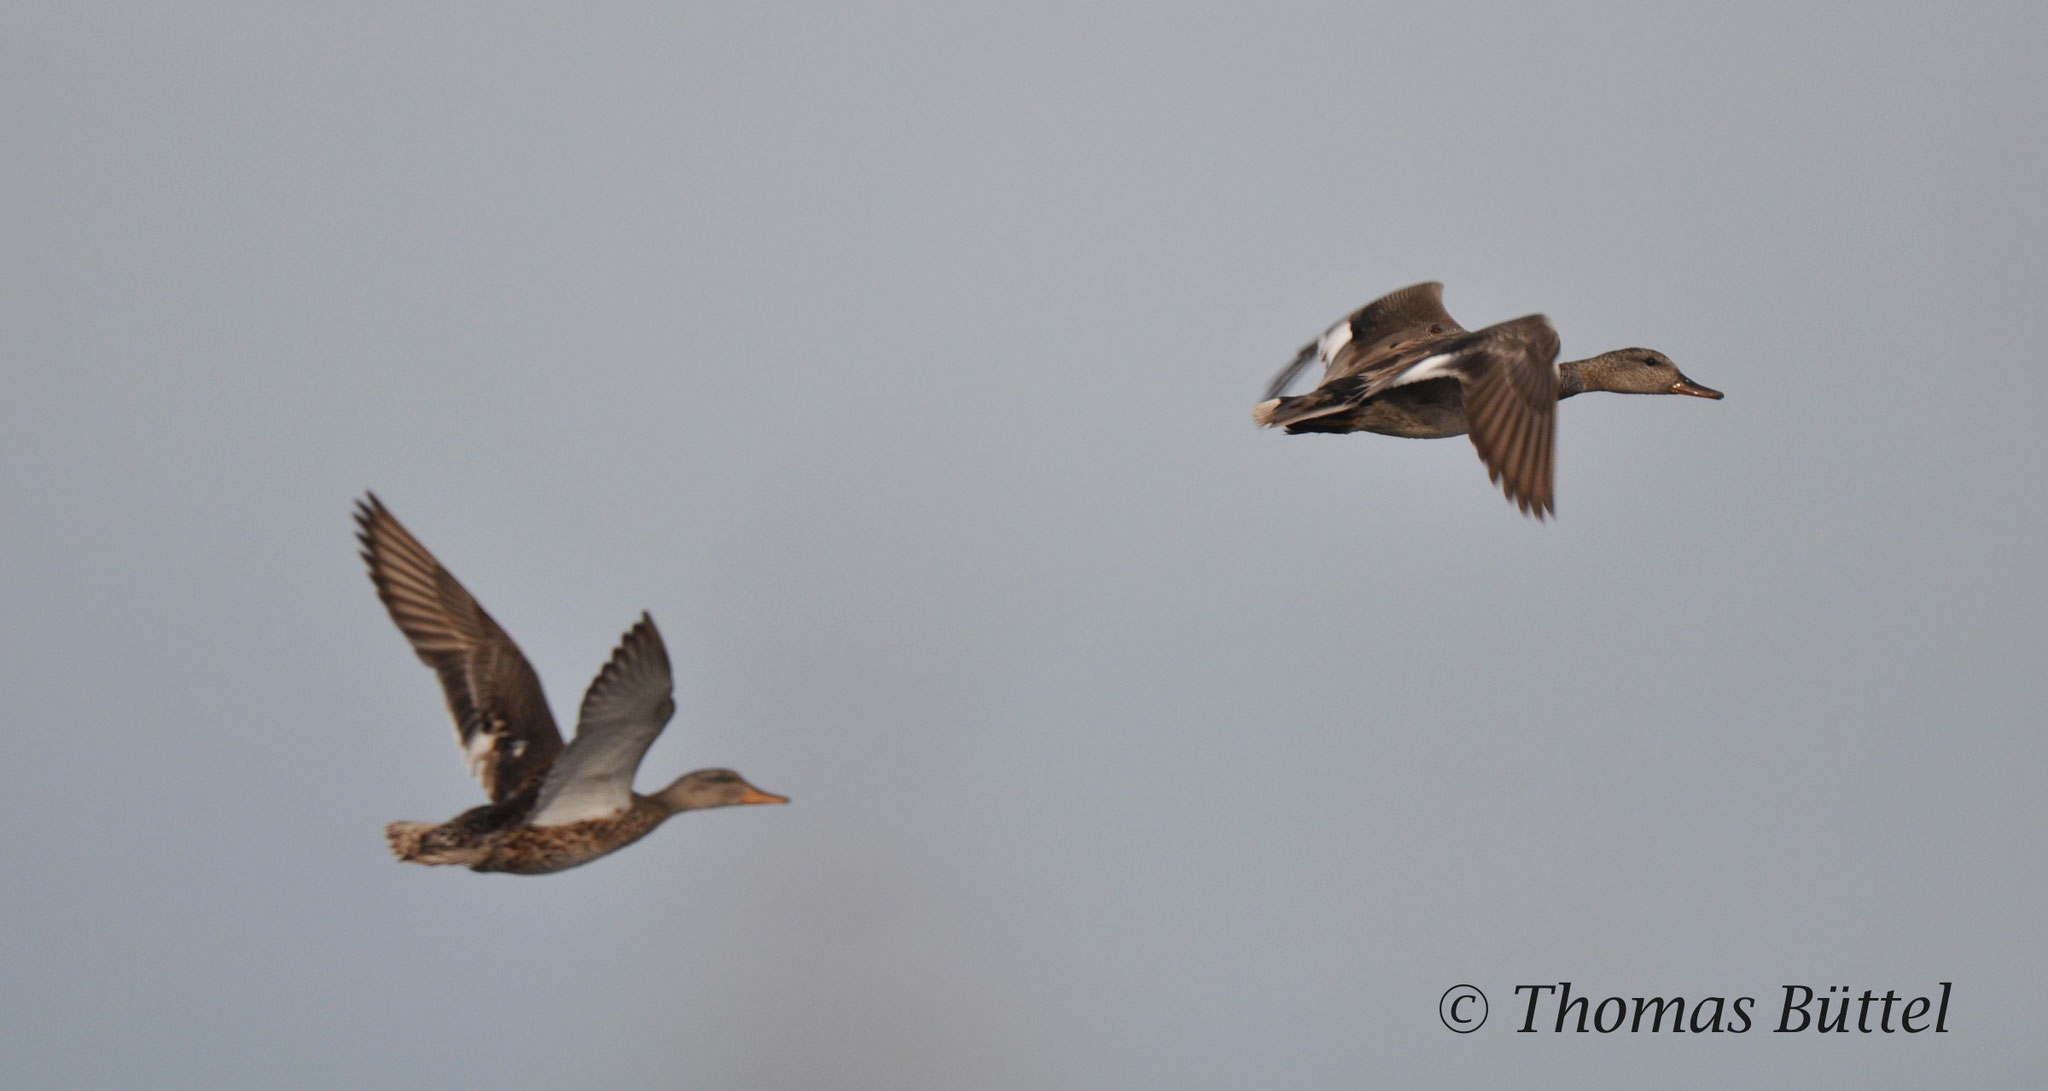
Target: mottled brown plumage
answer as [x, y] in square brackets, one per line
[1401, 366]
[551, 807]
[490, 839]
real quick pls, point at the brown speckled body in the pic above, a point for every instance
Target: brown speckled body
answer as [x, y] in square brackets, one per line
[482, 840]
[537, 850]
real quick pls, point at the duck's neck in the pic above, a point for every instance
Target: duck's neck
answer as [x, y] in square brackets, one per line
[1570, 379]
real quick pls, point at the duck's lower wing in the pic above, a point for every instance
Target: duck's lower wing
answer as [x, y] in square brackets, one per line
[1509, 375]
[1302, 359]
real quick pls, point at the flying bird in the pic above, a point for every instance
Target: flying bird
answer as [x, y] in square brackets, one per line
[1401, 366]
[552, 807]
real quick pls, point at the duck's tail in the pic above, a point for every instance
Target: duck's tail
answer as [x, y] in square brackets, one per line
[1302, 412]
[432, 845]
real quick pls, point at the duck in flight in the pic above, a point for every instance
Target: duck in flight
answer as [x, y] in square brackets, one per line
[1401, 366]
[552, 807]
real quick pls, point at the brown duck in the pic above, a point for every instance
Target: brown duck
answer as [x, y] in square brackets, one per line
[1401, 366]
[551, 807]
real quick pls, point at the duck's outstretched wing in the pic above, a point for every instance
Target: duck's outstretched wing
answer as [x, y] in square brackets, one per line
[623, 713]
[501, 714]
[1387, 327]
[1508, 375]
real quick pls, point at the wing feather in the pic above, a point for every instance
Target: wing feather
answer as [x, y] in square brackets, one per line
[501, 714]
[623, 713]
[1509, 377]
[1390, 326]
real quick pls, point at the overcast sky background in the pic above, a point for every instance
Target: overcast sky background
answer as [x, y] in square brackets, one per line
[901, 363]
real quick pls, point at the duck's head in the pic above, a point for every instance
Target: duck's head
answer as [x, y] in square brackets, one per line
[707, 788]
[1632, 371]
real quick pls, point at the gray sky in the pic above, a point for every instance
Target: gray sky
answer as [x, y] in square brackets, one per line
[900, 362]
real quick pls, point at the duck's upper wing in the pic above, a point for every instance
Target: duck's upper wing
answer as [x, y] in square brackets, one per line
[623, 713]
[1508, 375]
[501, 714]
[1387, 327]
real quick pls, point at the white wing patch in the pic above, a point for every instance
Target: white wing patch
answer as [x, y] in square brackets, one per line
[478, 750]
[1334, 340]
[1429, 367]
